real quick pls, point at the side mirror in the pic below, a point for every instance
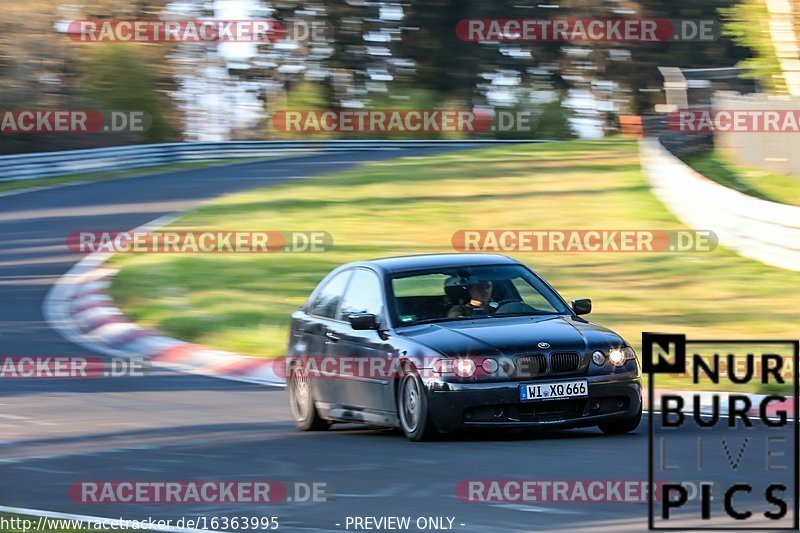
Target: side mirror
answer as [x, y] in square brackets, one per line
[582, 306]
[362, 321]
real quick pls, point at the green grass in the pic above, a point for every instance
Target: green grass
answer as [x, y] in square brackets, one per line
[242, 302]
[7, 186]
[749, 180]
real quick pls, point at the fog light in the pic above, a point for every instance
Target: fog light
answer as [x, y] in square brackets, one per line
[599, 358]
[464, 368]
[489, 366]
[617, 357]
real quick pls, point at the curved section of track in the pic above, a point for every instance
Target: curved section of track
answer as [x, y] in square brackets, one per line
[174, 427]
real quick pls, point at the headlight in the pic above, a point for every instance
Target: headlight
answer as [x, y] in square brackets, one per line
[599, 358]
[629, 353]
[489, 366]
[464, 368]
[618, 356]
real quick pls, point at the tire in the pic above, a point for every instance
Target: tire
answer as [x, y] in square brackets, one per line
[620, 427]
[412, 408]
[301, 403]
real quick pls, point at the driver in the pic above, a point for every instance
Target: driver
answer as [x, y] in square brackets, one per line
[480, 303]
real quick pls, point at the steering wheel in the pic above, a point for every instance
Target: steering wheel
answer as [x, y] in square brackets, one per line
[510, 305]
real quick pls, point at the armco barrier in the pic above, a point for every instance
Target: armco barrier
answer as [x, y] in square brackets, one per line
[42, 165]
[765, 231]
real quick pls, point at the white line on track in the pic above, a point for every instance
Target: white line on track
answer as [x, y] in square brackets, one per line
[13, 417]
[327, 163]
[255, 178]
[533, 508]
[42, 188]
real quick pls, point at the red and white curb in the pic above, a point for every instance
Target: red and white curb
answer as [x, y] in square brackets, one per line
[80, 309]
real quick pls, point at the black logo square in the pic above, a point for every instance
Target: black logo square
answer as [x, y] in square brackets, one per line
[661, 344]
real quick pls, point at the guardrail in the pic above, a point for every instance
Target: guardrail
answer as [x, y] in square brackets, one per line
[677, 142]
[765, 231]
[49, 164]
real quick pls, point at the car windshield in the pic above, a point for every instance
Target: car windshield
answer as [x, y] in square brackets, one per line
[471, 292]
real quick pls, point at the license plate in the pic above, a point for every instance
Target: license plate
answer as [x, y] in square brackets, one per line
[553, 391]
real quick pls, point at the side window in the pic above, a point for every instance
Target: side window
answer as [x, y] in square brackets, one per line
[328, 299]
[363, 295]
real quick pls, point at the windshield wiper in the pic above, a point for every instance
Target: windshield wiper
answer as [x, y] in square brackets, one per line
[535, 313]
[433, 320]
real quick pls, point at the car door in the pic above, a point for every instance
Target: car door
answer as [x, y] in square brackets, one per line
[362, 349]
[322, 315]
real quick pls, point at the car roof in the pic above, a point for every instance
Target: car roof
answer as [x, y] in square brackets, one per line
[413, 262]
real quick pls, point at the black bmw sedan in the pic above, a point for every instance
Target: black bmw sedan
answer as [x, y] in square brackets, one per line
[436, 343]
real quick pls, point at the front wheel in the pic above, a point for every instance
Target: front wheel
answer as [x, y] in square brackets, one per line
[619, 427]
[301, 402]
[413, 408]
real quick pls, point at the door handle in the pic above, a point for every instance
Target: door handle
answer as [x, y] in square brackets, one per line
[331, 336]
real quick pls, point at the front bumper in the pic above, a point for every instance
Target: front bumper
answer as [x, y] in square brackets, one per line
[472, 405]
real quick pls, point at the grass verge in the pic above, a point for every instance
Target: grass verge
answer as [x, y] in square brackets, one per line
[242, 302]
[752, 181]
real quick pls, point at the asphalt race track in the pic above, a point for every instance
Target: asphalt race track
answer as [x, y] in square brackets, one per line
[174, 427]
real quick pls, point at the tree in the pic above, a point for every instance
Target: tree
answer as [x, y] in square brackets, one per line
[116, 76]
[747, 24]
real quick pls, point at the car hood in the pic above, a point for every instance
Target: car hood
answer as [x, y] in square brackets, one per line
[513, 335]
